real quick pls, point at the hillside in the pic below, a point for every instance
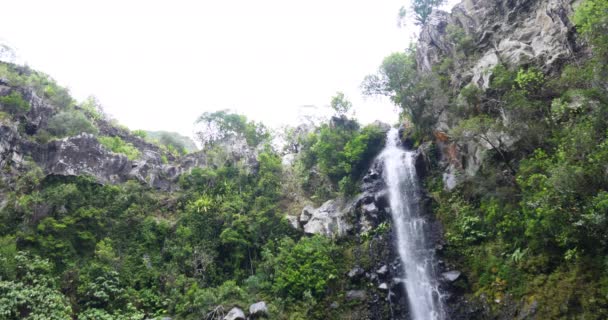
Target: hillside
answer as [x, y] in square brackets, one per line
[500, 161]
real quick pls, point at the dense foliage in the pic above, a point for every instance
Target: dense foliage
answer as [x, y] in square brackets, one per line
[70, 123]
[336, 155]
[70, 247]
[174, 142]
[528, 225]
[14, 103]
[117, 145]
[222, 125]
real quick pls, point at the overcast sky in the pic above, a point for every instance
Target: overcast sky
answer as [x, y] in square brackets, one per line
[157, 65]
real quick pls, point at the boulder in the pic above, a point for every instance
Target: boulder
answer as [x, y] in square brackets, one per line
[383, 270]
[235, 314]
[306, 214]
[328, 220]
[258, 309]
[293, 221]
[356, 272]
[356, 295]
[369, 209]
[451, 276]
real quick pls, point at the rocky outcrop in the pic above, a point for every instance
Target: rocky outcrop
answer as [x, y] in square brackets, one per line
[510, 32]
[375, 283]
[258, 310]
[84, 155]
[329, 220]
[235, 314]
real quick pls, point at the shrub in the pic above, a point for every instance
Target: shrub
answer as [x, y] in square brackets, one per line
[117, 145]
[58, 96]
[14, 103]
[92, 108]
[140, 133]
[529, 80]
[306, 266]
[70, 123]
[458, 36]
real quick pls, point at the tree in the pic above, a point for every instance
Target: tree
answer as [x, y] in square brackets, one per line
[398, 79]
[221, 125]
[70, 123]
[14, 103]
[423, 9]
[340, 104]
[401, 17]
[306, 266]
[34, 295]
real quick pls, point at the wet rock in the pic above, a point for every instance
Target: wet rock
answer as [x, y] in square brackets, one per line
[371, 175]
[235, 314]
[451, 276]
[370, 209]
[383, 270]
[258, 309]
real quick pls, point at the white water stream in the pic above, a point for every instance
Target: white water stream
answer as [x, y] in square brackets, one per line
[417, 257]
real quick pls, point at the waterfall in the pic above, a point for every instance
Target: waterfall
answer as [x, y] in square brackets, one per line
[410, 227]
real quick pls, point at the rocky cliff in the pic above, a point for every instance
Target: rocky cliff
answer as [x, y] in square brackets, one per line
[477, 36]
[83, 154]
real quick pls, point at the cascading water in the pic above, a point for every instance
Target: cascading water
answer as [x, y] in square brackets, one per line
[417, 257]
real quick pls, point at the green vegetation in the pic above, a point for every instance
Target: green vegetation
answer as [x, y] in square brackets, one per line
[43, 85]
[70, 123]
[527, 225]
[423, 9]
[222, 125]
[340, 104]
[173, 142]
[305, 267]
[336, 156]
[70, 247]
[14, 103]
[530, 224]
[117, 145]
[418, 95]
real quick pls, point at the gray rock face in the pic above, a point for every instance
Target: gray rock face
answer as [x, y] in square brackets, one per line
[84, 155]
[293, 221]
[307, 213]
[258, 309]
[513, 32]
[356, 295]
[235, 314]
[329, 220]
[432, 43]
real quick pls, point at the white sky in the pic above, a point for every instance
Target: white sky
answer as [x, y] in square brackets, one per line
[158, 65]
